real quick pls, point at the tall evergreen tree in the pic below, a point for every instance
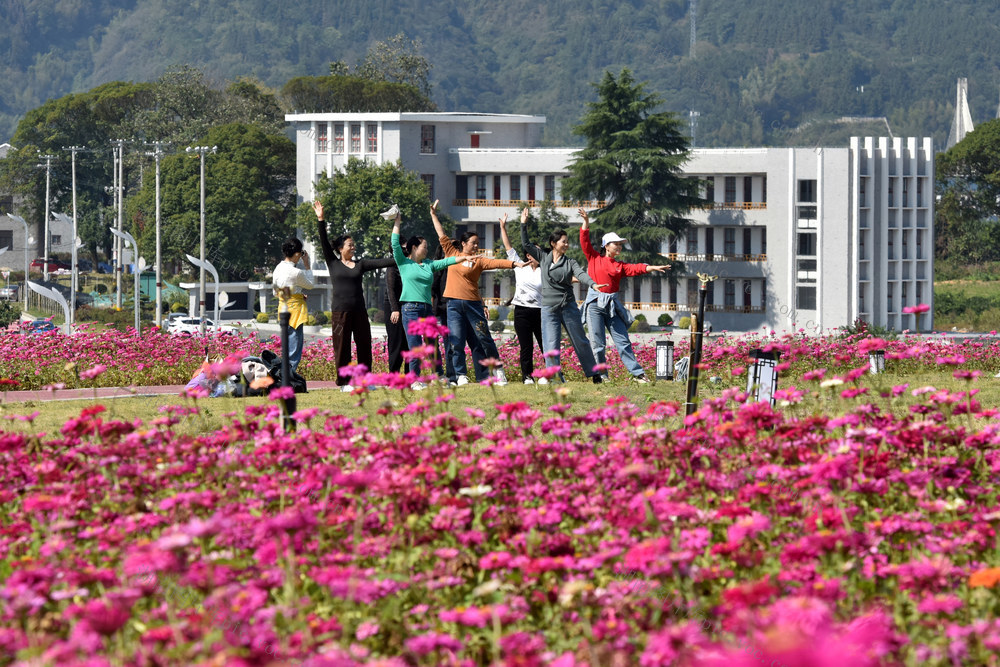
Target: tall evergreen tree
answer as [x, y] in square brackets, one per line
[633, 162]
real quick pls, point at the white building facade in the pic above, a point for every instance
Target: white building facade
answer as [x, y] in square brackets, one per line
[798, 238]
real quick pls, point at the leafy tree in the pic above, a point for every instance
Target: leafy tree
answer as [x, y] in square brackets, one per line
[397, 60]
[354, 197]
[968, 183]
[352, 93]
[249, 202]
[633, 161]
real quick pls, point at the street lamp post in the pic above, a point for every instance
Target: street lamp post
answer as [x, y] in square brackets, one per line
[119, 174]
[48, 180]
[75, 279]
[137, 264]
[157, 154]
[202, 150]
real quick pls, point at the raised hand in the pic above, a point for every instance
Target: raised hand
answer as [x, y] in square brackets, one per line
[584, 216]
[503, 220]
[525, 212]
[318, 208]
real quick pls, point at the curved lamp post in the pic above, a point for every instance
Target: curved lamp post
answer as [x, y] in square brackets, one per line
[206, 265]
[138, 264]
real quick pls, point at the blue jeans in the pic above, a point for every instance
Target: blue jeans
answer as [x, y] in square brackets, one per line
[413, 311]
[467, 323]
[554, 318]
[296, 338]
[599, 321]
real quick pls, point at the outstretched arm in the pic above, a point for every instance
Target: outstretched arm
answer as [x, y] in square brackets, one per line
[438, 228]
[324, 237]
[585, 245]
[503, 234]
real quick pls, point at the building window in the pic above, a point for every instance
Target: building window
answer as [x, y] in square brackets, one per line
[763, 189]
[550, 188]
[920, 192]
[729, 241]
[673, 292]
[7, 239]
[861, 298]
[322, 141]
[807, 190]
[636, 293]
[692, 241]
[746, 242]
[730, 294]
[906, 201]
[920, 292]
[338, 138]
[372, 138]
[355, 138]
[888, 297]
[657, 290]
[710, 295]
[807, 244]
[861, 193]
[890, 192]
[805, 297]
[861, 246]
[427, 139]
[710, 189]
[730, 189]
[906, 249]
[692, 291]
[480, 186]
[496, 187]
[903, 288]
[891, 254]
[672, 247]
[428, 180]
[747, 293]
[56, 239]
[531, 188]
[763, 241]
[515, 188]
[747, 189]
[920, 246]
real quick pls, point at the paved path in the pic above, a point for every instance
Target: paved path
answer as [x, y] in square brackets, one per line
[117, 392]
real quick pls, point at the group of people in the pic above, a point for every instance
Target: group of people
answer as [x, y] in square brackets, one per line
[447, 287]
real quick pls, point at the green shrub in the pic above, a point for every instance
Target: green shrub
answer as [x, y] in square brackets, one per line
[8, 314]
[262, 318]
[115, 318]
[320, 318]
[101, 288]
[664, 320]
[311, 321]
[178, 307]
[371, 314]
[379, 317]
[497, 327]
[640, 317]
[684, 323]
[494, 314]
[640, 326]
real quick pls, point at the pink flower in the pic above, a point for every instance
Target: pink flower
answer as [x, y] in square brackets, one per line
[919, 308]
[281, 393]
[366, 630]
[548, 373]
[427, 327]
[103, 618]
[491, 362]
[93, 372]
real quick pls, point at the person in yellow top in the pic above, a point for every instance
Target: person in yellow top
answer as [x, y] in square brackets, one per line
[288, 281]
[466, 311]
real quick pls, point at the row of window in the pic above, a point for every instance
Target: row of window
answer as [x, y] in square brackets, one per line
[489, 187]
[730, 189]
[323, 144]
[890, 193]
[729, 236]
[889, 294]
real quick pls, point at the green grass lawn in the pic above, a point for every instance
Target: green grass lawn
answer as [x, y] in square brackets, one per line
[583, 397]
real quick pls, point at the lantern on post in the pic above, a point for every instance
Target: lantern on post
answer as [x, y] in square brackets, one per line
[876, 361]
[664, 360]
[762, 380]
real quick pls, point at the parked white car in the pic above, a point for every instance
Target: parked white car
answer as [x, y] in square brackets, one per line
[191, 326]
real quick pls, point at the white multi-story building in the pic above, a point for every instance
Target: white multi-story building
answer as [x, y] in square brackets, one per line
[850, 229]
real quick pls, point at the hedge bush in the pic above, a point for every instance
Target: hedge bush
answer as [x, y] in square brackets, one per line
[664, 320]
[684, 323]
[262, 318]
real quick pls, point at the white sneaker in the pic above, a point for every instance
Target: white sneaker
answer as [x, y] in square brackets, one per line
[391, 213]
[543, 381]
[418, 386]
[347, 388]
[501, 377]
[463, 380]
[529, 381]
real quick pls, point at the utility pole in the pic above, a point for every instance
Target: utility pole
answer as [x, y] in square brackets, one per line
[119, 144]
[158, 153]
[202, 150]
[48, 182]
[74, 278]
[694, 25]
[693, 120]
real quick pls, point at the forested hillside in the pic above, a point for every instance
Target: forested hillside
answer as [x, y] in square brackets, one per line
[761, 70]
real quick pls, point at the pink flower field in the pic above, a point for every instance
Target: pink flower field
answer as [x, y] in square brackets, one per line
[853, 524]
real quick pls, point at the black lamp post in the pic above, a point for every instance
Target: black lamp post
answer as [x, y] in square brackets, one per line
[697, 326]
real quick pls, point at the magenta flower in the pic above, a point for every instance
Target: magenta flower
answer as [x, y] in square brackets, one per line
[281, 393]
[917, 309]
[93, 372]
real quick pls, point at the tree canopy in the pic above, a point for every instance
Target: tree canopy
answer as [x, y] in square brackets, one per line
[353, 198]
[633, 161]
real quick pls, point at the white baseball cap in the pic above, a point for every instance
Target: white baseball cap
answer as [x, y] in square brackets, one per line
[612, 237]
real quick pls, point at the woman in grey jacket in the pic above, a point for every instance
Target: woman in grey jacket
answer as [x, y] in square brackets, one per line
[559, 307]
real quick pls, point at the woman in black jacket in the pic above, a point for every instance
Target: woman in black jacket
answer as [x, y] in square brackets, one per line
[395, 335]
[349, 316]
